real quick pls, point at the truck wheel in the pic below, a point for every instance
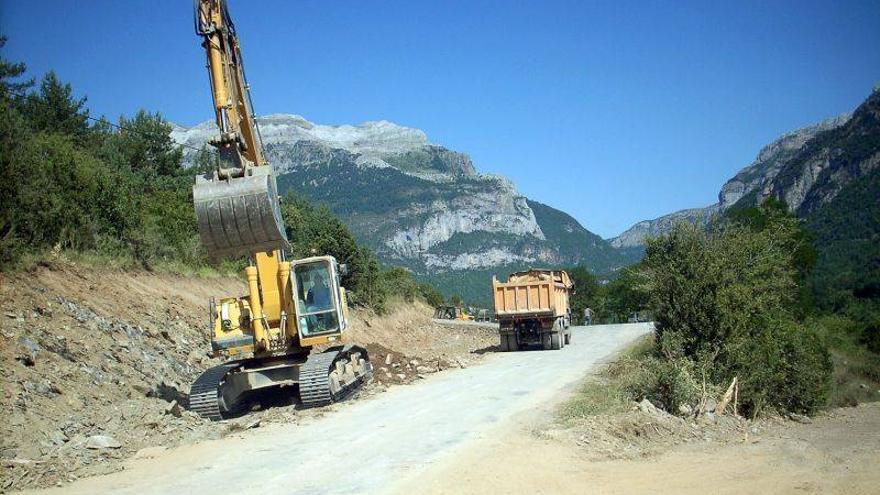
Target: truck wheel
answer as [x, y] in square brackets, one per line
[546, 341]
[503, 345]
[555, 341]
[568, 338]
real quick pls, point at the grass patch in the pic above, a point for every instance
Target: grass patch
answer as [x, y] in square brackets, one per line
[104, 261]
[856, 375]
[614, 388]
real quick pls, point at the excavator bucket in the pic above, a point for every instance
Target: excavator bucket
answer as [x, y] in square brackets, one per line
[239, 216]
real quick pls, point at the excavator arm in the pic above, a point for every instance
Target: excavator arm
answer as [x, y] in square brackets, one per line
[237, 204]
[291, 306]
[239, 138]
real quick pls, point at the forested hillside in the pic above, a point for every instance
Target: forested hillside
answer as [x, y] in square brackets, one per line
[117, 193]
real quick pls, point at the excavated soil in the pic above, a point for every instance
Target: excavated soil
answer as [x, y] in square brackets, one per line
[97, 364]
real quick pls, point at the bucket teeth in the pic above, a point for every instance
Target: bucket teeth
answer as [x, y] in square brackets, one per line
[239, 216]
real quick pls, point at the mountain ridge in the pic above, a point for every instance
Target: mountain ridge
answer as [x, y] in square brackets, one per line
[418, 204]
[751, 179]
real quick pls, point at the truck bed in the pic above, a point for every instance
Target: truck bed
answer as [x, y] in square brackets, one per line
[530, 299]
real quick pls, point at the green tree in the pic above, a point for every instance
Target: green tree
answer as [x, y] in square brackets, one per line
[587, 292]
[722, 302]
[773, 214]
[9, 89]
[53, 109]
[316, 231]
[626, 294]
[144, 145]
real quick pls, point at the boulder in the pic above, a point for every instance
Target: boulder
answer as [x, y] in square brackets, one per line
[100, 442]
[173, 408]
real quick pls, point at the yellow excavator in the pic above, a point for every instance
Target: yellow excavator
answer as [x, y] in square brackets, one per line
[268, 336]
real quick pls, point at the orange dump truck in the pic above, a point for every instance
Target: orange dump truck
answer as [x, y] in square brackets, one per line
[532, 307]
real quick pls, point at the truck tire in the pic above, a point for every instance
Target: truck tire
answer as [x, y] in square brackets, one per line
[556, 341]
[568, 338]
[546, 341]
[503, 345]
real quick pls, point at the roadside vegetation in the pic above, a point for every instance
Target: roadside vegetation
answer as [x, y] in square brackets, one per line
[86, 190]
[738, 299]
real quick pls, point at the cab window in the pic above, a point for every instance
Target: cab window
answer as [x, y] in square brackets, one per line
[315, 299]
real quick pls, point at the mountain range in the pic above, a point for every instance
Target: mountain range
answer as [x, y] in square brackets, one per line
[420, 205]
[806, 168]
[427, 208]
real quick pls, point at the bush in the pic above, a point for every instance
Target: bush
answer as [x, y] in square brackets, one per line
[871, 336]
[672, 382]
[724, 301]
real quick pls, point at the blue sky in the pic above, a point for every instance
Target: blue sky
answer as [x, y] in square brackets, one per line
[611, 111]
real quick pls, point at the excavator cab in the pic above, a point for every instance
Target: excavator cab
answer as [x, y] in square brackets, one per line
[239, 216]
[321, 308]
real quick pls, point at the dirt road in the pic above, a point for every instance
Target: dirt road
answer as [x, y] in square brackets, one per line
[837, 453]
[370, 445]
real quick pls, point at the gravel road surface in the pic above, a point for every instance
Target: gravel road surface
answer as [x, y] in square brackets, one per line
[367, 445]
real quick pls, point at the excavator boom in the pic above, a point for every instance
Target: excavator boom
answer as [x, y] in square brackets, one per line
[268, 335]
[236, 204]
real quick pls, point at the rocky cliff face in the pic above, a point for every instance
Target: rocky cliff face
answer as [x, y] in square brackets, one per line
[829, 162]
[794, 154]
[771, 159]
[635, 235]
[417, 204]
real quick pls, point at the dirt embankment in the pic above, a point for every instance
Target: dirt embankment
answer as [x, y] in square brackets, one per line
[97, 363]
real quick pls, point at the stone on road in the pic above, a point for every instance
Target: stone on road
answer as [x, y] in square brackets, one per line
[369, 444]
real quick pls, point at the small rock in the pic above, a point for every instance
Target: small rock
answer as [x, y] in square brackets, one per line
[58, 437]
[863, 386]
[710, 405]
[400, 376]
[173, 408]
[648, 408]
[424, 369]
[389, 359]
[149, 452]
[244, 425]
[383, 369]
[142, 388]
[10, 314]
[415, 362]
[800, 418]
[685, 410]
[98, 442]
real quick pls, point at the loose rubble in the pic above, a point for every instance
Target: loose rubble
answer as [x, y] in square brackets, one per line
[98, 364]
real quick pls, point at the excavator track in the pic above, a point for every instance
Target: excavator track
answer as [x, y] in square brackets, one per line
[204, 394]
[315, 384]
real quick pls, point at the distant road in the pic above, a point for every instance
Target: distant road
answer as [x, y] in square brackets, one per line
[368, 445]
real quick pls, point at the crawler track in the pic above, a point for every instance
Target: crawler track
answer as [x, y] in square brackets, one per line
[314, 377]
[204, 395]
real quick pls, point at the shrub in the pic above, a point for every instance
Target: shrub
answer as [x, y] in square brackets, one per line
[724, 301]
